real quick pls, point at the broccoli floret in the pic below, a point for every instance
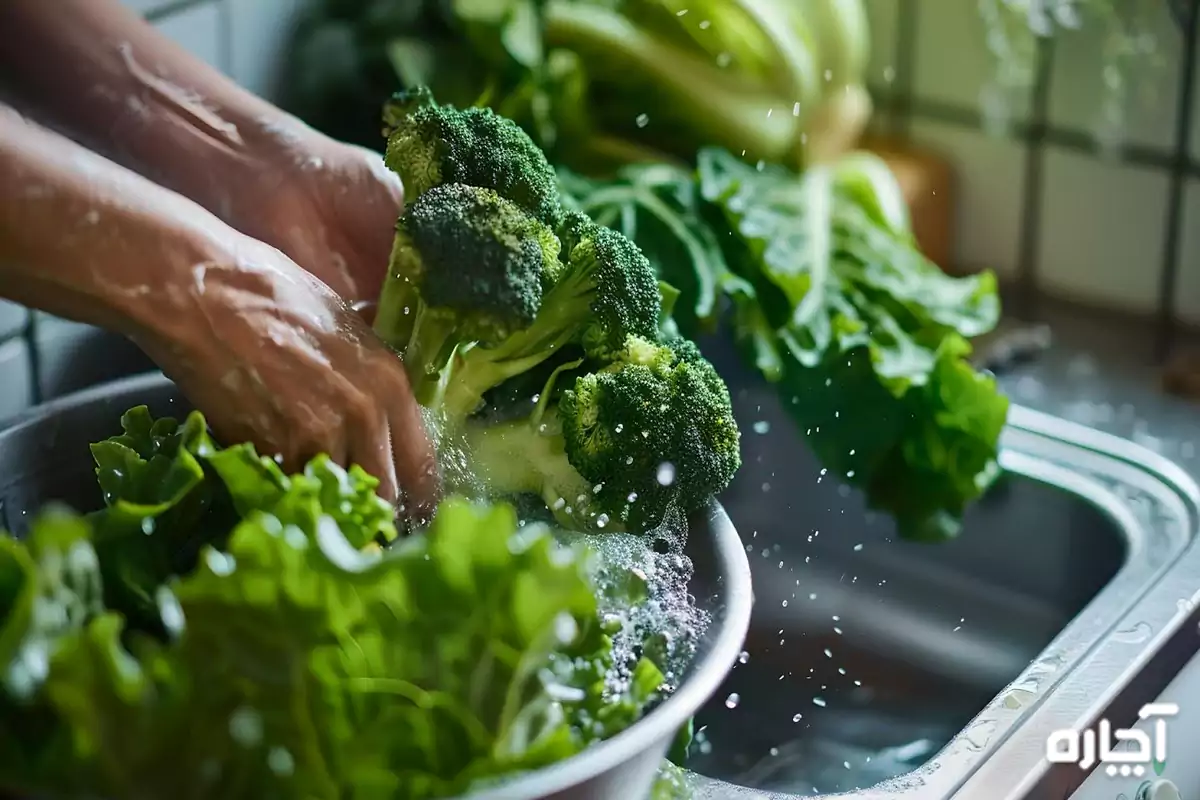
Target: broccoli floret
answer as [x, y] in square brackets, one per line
[622, 445]
[605, 293]
[467, 265]
[431, 144]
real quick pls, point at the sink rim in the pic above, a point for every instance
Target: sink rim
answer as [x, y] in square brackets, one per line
[1092, 665]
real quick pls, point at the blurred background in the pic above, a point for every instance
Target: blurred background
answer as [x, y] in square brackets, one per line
[1076, 177]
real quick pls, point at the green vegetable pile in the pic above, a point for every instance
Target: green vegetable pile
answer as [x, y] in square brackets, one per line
[535, 336]
[689, 127]
[221, 629]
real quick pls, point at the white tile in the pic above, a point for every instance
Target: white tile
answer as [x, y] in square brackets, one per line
[1078, 97]
[1187, 294]
[197, 28]
[12, 319]
[16, 388]
[989, 179]
[262, 31]
[953, 64]
[883, 18]
[1102, 231]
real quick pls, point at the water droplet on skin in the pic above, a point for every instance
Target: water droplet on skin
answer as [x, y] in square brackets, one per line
[732, 701]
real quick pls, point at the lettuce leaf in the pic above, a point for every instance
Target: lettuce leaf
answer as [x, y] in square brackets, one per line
[291, 658]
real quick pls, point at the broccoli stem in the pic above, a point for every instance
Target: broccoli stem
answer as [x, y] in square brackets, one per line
[477, 370]
[394, 317]
[518, 457]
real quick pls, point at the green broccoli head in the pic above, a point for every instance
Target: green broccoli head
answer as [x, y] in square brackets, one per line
[431, 144]
[651, 431]
[467, 266]
[608, 271]
[484, 261]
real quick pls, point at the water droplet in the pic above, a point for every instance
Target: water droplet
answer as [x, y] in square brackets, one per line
[797, 717]
[601, 520]
[221, 564]
[858, 547]
[732, 701]
[762, 426]
[743, 657]
[785, 603]
[819, 701]
[246, 727]
[619, 427]
[796, 110]
[642, 120]
[280, 761]
[666, 473]
[148, 524]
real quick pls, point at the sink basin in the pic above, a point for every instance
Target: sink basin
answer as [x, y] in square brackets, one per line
[886, 668]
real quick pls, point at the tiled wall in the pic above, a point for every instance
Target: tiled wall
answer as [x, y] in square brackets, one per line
[1040, 204]
[1043, 204]
[42, 357]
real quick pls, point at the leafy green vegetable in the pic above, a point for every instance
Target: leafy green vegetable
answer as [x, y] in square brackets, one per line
[865, 338]
[598, 81]
[289, 658]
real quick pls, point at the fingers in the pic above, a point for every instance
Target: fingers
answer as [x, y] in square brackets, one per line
[412, 451]
[371, 449]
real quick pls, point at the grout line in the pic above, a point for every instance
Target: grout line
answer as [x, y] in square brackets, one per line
[174, 7]
[1173, 238]
[225, 36]
[904, 80]
[34, 356]
[1077, 141]
[1029, 248]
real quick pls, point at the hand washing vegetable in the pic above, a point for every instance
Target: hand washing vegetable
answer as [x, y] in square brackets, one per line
[491, 280]
[864, 338]
[651, 100]
[221, 629]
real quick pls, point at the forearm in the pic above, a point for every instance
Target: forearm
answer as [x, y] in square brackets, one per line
[97, 70]
[84, 238]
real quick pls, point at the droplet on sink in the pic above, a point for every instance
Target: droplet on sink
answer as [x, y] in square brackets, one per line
[1138, 633]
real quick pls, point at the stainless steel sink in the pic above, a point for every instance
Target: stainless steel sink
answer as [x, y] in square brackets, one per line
[886, 668]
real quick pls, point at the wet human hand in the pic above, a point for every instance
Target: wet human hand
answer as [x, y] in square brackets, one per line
[273, 356]
[330, 206]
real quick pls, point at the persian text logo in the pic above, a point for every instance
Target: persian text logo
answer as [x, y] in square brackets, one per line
[1103, 745]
